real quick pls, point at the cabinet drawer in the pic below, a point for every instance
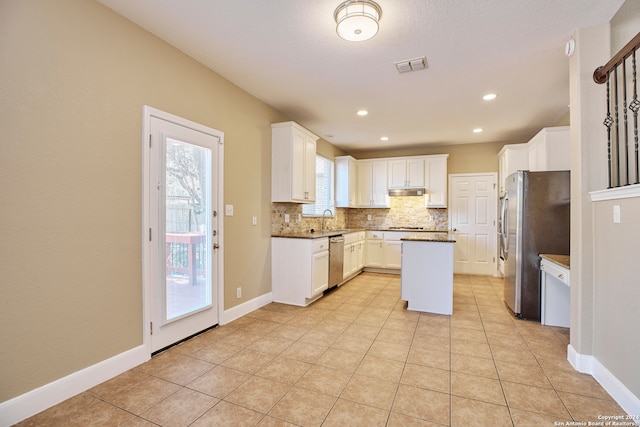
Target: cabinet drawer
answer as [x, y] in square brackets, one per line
[350, 238]
[320, 245]
[553, 269]
[361, 235]
[375, 235]
[394, 235]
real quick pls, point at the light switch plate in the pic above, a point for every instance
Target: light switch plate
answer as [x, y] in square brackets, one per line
[616, 214]
[228, 210]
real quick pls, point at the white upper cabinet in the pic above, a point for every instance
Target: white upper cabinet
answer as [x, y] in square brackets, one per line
[293, 163]
[366, 183]
[435, 172]
[346, 182]
[512, 157]
[550, 149]
[372, 184]
[406, 173]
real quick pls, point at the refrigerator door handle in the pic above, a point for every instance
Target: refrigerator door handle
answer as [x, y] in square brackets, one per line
[504, 224]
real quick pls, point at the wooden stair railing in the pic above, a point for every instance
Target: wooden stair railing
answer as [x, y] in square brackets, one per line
[623, 165]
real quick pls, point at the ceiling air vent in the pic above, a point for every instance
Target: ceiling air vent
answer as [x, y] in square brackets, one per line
[414, 64]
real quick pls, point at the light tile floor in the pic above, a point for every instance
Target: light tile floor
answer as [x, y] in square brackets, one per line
[356, 357]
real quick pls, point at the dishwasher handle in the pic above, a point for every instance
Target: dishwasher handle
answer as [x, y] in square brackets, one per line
[336, 239]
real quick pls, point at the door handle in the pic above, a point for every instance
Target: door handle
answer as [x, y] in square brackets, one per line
[216, 246]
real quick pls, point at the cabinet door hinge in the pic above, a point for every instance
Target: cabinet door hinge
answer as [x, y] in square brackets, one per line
[151, 327]
[149, 140]
[149, 234]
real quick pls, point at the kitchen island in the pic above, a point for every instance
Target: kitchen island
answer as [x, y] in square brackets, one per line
[427, 272]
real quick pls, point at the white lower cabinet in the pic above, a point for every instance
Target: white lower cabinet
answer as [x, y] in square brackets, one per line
[375, 242]
[353, 254]
[392, 250]
[299, 269]
[392, 254]
[361, 253]
[384, 250]
[349, 261]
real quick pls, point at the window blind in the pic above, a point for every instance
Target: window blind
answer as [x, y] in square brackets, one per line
[325, 196]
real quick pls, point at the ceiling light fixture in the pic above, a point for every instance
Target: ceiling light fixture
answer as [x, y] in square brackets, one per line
[477, 130]
[489, 96]
[363, 112]
[357, 20]
[384, 138]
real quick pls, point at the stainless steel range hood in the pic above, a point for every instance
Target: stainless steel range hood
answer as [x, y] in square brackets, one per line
[407, 192]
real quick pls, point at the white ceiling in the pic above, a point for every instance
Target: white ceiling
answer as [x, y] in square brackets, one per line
[287, 54]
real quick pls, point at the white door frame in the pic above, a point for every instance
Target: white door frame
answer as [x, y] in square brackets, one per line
[493, 175]
[148, 113]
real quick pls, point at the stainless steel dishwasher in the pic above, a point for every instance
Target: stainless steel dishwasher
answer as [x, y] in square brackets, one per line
[336, 259]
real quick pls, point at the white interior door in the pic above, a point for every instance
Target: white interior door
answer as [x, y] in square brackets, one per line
[473, 216]
[183, 254]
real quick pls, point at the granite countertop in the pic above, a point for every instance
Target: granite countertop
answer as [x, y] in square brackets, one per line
[561, 260]
[316, 234]
[412, 229]
[331, 233]
[430, 237]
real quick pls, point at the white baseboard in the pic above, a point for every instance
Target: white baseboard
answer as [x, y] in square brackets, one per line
[34, 401]
[588, 364]
[580, 362]
[26, 405]
[621, 394]
[245, 308]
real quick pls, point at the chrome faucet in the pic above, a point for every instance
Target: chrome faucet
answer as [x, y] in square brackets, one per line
[323, 217]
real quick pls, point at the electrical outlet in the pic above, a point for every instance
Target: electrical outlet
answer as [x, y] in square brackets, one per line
[254, 220]
[286, 217]
[616, 214]
[368, 217]
[238, 293]
[299, 217]
[228, 210]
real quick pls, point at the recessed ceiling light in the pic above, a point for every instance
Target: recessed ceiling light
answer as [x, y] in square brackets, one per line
[489, 96]
[477, 130]
[384, 138]
[363, 112]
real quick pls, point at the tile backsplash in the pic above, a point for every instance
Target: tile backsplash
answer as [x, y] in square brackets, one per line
[403, 212]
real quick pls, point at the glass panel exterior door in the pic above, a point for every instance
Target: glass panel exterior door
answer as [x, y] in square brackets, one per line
[183, 243]
[188, 232]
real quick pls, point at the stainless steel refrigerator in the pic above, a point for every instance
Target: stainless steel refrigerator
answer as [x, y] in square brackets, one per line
[535, 220]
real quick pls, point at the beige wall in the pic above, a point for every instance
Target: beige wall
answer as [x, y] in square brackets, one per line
[604, 267]
[75, 77]
[588, 173]
[463, 158]
[616, 294]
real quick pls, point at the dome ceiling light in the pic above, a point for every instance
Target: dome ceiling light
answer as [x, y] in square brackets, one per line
[357, 20]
